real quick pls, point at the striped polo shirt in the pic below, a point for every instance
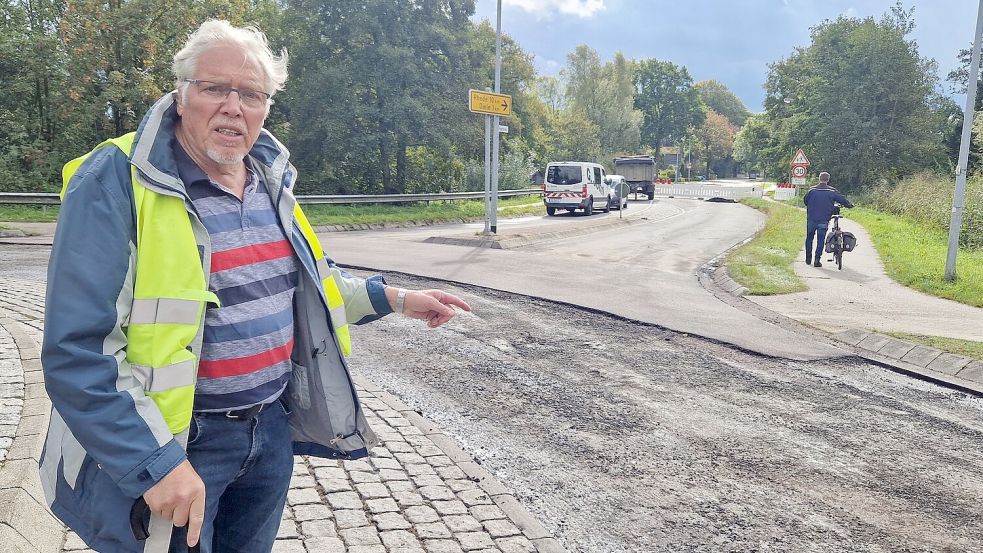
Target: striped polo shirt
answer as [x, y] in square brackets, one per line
[245, 357]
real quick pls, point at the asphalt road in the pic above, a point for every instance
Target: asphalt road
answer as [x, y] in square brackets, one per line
[627, 438]
[644, 271]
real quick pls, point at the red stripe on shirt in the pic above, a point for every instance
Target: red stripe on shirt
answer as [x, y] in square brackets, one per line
[237, 366]
[247, 255]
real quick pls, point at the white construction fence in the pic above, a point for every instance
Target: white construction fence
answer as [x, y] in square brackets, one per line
[704, 191]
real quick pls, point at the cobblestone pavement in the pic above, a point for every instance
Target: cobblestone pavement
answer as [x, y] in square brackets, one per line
[416, 493]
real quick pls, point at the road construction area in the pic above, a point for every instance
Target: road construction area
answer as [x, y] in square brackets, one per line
[625, 437]
[630, 410]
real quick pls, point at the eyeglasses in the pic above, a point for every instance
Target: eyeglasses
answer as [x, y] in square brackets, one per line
[216, 92]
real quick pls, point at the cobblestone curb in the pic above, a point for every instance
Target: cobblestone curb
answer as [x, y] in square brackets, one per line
[953, 369]
[417, 492]
[25, 523]
[948, 370]
[530, 527]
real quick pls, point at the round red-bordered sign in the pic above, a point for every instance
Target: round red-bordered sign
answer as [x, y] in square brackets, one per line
[798, 171]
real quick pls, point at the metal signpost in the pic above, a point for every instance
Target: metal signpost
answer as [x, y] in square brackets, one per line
[493, 106]
[623, 191]
[800, 164]
[955, 224]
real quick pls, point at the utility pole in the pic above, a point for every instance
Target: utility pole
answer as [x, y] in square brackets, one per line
[495, 127]
[955, 224]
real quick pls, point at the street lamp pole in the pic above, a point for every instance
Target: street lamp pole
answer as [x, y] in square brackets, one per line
[496, 127]
[955, 224]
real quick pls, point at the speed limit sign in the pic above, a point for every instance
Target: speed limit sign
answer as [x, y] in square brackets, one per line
[798, 171]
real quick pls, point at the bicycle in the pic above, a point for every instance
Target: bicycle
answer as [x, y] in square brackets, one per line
[838, 241]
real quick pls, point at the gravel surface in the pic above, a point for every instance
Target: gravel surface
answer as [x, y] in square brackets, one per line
[629, 438]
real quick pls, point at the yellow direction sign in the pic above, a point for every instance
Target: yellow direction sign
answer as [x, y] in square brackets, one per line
[489, 103]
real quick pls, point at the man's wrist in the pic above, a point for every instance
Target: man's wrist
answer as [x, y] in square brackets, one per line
[400, 302]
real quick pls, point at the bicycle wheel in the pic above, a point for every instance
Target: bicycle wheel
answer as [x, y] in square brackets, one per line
[838, 252]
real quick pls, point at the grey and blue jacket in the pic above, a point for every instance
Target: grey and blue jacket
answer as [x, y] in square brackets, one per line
[820, 202]
[105, 446]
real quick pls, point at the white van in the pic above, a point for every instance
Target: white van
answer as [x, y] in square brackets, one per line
[573, 185]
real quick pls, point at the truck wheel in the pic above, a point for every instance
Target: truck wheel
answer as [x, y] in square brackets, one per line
[651, 196]
[550, 211]
[589, 208]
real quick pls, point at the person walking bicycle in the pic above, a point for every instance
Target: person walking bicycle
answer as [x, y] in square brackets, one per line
[820, 204]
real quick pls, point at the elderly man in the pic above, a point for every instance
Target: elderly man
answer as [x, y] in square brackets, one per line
[195, 331]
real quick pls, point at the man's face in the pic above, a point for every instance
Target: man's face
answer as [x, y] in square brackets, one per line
[222, 131]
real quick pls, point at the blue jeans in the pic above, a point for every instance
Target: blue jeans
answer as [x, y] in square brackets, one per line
[246, 467]
[816, 229]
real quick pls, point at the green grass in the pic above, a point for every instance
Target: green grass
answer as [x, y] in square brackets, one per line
[966, 348]
[764, 265]
[28, 213]
[325, 214]
[914, 255]
[436, 212]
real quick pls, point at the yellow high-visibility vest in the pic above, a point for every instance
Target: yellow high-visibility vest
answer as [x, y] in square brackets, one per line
[170, 295]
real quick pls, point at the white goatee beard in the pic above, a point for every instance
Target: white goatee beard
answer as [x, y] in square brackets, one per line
[223, 158]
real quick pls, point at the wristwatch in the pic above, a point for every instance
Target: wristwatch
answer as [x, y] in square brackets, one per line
[400, 299]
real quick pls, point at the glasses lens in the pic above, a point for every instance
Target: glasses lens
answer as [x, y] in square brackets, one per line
[251, 98]
[215, 91]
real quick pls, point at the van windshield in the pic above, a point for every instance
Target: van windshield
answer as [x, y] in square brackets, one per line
[564, 174]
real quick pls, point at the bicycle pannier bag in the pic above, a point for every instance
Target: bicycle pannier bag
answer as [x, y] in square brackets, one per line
[849, 241]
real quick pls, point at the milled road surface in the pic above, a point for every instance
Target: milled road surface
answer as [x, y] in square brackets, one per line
[624, 437]
[629, 438]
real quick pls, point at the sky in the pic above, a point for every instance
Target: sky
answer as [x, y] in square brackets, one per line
[731, 41]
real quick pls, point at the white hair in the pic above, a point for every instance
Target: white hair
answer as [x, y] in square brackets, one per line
[217, 32]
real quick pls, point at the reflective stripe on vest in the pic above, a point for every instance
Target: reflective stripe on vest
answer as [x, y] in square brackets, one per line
[336, 304]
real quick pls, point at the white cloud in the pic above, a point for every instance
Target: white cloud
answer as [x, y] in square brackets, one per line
[579, 8]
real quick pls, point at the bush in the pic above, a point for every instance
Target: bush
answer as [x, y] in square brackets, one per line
[513, 173]
[927, 198]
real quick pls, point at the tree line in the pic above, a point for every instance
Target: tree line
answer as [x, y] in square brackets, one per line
[861, 101]
[376, 100]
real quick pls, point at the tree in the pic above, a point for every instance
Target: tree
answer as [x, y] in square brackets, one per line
[620, 123]
[668, 102]
[719, 98]
[756, 146]
[394, 75]
[575, 137]
[715, 138]
[858, 99]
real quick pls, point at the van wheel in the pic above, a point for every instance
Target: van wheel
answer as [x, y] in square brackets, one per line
[651, 196]
[607, 206]
[550, 211]
[589, 208]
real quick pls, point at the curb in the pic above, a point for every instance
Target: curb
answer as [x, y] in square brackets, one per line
[951, 371]
[25, 522]
[498, 243]
[530, 526]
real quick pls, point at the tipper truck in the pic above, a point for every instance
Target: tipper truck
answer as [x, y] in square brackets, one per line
[639, 171]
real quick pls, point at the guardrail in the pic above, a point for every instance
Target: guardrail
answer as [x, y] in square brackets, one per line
[40, 198]
[705, 191]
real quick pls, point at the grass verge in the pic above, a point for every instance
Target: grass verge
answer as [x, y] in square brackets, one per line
[966, 348]
[436, 212]
[333, 214]
[764, 265]
[914, 255]
[28, 213]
